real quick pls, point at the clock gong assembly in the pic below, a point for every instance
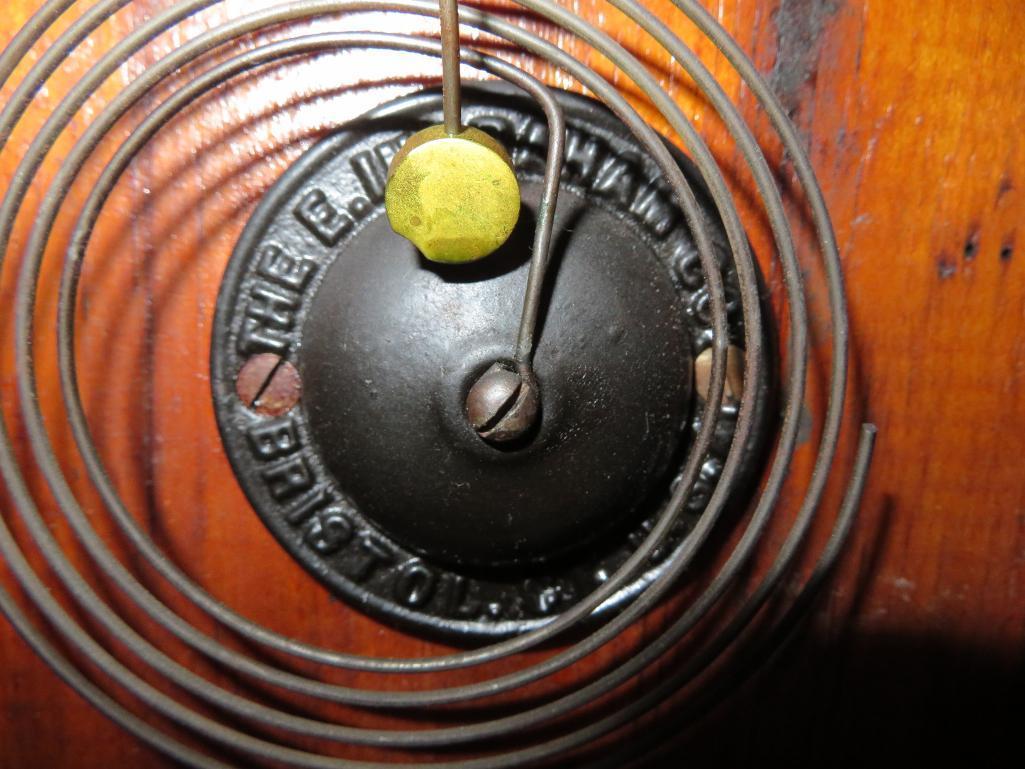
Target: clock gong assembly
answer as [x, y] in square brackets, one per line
[405, 381]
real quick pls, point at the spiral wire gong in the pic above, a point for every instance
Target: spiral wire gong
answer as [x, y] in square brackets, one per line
[557, 733]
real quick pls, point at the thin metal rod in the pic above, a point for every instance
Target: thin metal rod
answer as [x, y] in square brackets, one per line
[451, 88]
[526, 338]
[451, 84]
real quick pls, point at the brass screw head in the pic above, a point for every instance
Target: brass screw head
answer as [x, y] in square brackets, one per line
[734, 389]
[269, 385]
[503, 404]
[454, 196]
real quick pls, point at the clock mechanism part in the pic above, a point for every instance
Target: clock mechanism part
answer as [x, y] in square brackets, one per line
[479, 537]
[517, 440]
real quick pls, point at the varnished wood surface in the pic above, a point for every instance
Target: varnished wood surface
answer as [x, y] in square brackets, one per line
[912, 114]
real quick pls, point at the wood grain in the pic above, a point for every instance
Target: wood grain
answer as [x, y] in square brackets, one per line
[912, 114]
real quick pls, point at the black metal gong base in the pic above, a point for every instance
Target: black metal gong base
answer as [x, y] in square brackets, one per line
[375, 480]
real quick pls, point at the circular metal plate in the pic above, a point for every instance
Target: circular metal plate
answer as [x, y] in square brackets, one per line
[305, 286]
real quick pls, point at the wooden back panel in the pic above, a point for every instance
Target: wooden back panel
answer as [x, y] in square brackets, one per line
[912, 114]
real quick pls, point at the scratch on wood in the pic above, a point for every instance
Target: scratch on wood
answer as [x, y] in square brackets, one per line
[1006, 185]
[1007, 249]
[799, 28]
[946, 267]
[971, 245]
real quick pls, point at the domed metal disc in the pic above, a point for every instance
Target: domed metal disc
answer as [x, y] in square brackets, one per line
[375, 479]
[393, 343]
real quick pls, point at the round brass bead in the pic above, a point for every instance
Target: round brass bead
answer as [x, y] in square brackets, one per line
[454, 196]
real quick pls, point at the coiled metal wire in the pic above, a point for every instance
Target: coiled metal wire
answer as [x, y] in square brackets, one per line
[225, 734]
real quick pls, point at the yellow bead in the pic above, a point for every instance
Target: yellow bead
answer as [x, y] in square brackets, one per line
[455, 197]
